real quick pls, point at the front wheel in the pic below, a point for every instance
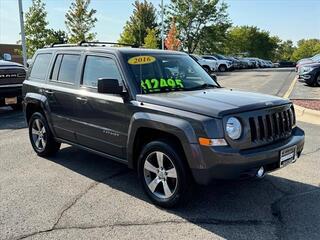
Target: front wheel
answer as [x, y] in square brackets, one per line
[41, 137]
[163, 174]
[317, 80]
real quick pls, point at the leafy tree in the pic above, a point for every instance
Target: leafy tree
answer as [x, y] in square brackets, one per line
[151, 41]
[80, 20]
[285, 50]
[306, 48]
[36, 27]
[251, 41]
[143, 18]
[214, 38]
[58, 36]
[171, 41]
[192, 18]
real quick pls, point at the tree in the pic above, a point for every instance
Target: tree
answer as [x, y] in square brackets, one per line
[150, 41]
[58, 36]
[143, 18]
[36, 27]
[214, 38]
[251, 41]
[285, 50]
[80, 20]
[192, 16]
[306, 48]
[171, 41]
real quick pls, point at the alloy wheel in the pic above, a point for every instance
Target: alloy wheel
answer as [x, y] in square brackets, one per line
[160, 175]
[39, 135]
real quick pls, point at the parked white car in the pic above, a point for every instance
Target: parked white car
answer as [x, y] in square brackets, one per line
[208, 65]
[223, 64]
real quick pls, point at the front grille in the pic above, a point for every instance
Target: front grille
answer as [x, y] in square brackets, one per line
[272, 126]
[12, 76]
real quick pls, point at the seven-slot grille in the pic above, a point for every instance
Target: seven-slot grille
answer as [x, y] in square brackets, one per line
[12, 76]
[272, 126]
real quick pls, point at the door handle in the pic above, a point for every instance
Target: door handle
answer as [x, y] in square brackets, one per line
[50, 92]
[82, 99]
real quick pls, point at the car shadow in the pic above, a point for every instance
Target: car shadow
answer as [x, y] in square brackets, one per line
[11, 119]
[223, 208]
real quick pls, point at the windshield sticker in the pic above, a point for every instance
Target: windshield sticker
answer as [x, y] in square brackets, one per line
[156, 85]
[138, 60]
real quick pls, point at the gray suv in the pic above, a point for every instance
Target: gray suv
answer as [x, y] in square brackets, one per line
[158, 112]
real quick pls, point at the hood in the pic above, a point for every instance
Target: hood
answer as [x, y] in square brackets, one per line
[213, 102]
[9, 64]
[313, 64]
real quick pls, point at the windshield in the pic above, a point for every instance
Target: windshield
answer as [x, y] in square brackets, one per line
[156, 73]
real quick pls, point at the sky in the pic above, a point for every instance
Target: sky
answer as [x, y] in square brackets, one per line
[288, 19]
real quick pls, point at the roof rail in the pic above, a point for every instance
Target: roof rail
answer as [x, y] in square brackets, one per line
[106, 43]
[89, 44]
[61, 45]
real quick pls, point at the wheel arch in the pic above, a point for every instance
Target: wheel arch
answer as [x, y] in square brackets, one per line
[34, 102]
[145, 127]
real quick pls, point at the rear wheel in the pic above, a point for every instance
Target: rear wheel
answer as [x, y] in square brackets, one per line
[222, 68]
[163, 174]
[41, 137]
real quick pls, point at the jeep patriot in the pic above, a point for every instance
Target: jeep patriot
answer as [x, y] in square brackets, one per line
[159, 112]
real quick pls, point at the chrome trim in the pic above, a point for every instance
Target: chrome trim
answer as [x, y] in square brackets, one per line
[10, 85]
[76, 92]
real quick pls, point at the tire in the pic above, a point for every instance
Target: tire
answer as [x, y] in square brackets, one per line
[317, 80]
[208, 70]
[222, 68]
[41, 136]
[172, 177]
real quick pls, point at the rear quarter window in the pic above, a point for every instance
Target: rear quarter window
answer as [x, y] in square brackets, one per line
[40, 66]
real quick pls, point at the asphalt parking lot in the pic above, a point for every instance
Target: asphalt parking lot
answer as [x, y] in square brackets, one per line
[78, 195]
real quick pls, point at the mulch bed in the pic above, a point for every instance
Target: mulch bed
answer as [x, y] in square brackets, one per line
[311, 104]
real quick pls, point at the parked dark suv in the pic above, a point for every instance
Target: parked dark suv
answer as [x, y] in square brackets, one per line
[157, 112]
[11, 77]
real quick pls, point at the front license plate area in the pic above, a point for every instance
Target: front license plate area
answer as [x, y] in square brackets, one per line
[288, 156]
[11, 101]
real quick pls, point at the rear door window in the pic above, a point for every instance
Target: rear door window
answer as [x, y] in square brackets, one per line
[40, 66]
[99, 67]
[68, 68]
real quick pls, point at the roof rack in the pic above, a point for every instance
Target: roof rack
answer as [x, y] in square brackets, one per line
[89, 44]
[106, 43]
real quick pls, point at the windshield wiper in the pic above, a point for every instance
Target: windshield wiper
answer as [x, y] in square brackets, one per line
[202, 86]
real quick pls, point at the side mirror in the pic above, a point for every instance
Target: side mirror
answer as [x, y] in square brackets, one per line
[112, 86]
[7, 57]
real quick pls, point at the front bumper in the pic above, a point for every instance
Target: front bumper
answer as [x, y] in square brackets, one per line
[228, 163]
[8, 92]
[308, 78]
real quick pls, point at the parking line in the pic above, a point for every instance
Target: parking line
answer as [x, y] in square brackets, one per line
[288, 92]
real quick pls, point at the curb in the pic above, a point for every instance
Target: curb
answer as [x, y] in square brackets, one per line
[307, 115]
[303, 114]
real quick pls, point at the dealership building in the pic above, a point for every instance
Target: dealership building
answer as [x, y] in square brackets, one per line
[13, 49]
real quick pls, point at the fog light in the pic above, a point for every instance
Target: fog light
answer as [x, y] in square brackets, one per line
[260, 172]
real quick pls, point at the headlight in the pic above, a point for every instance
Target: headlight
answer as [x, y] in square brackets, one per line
[306, 69]
[233, 128]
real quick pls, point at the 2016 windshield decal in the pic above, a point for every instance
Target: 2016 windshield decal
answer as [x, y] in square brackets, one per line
[156, 85]
[139, 60]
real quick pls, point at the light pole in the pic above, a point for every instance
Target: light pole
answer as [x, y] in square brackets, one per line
[162, 27]
[23, 36]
